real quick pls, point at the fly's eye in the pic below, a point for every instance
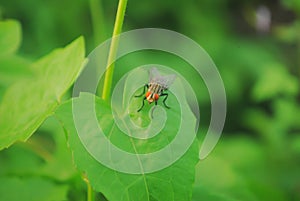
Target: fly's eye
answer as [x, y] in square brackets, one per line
[156, 96]
[148, 94]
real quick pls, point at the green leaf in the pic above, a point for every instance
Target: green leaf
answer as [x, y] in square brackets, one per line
[31, 189]
[204, 193]
[287, 33]
[19, 161]
[42, 155]
[10, 37]
[28, 102]
[13, 68]
[285, 111]
[295, 144]
[292, 4]
[60, 155]
[275, 81]
[172, 183]
[239, 169]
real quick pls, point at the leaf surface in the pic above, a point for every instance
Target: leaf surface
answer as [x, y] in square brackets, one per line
[171, 183]
[31, 189]
[10, 37]
[28, 102]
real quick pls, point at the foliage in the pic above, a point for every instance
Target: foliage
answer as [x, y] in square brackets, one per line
[27, 189]
[176, 179]
[257, 157]
[24, 109]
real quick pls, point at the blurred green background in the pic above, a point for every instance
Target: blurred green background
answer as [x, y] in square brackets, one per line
[256, 47]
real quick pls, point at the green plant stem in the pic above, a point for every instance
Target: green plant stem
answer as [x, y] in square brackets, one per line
[113, 49]
[90, 191]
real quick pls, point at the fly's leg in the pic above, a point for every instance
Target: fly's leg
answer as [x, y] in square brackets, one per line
[164, 101]
[146, 86]
[142, 104]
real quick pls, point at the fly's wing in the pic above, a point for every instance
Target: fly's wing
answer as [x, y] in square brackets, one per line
[164, 81]
[168, 80]
[153, 75]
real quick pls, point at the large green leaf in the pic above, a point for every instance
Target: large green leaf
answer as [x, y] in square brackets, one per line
[31, 189]
[28, 102]
[12, 69]
[10, 37]
[172, 183]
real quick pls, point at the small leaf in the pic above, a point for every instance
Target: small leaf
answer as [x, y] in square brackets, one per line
[275, 81]
[30, 101]
[292, 4]
[31, 189]
[287, 33]
[285, 111]
[172, 183]
[295, 144]
[12, 67]
[10, 37]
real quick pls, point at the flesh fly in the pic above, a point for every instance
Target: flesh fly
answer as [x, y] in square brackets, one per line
[156, 87]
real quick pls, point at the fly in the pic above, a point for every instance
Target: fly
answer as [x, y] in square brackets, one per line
[156, 87]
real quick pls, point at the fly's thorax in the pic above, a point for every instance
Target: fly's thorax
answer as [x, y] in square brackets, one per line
[155, 88]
